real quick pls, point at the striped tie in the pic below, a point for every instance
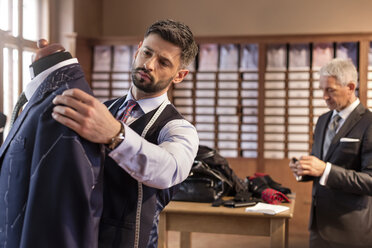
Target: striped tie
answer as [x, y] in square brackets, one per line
[131, 104]
[21, 101]
[331, 132]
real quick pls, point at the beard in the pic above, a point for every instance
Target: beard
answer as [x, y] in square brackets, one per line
[149, 85]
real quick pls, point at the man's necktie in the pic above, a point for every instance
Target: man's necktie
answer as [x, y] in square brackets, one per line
[331, 132]
[131, 104]
[21, 101]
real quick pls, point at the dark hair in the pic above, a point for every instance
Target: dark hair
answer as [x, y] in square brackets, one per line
[178, 34]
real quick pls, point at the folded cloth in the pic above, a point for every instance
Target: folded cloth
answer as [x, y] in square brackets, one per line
[273, 196]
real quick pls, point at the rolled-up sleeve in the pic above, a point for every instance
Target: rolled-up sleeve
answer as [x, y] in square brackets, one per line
[159, 166]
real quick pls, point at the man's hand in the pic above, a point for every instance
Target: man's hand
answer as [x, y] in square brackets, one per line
[309, 165]
[85, 115]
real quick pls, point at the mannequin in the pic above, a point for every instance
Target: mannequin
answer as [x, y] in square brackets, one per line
[50, 177]
[47, 56]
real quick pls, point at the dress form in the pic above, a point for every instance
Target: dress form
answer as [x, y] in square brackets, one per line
[47, 56]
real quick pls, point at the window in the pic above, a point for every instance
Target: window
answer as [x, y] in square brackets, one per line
[22, 23]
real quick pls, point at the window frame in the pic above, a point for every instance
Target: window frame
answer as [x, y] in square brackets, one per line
[8, 40]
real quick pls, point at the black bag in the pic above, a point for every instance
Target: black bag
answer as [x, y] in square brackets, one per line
[210, 178]
[217, 162]
[203, 185]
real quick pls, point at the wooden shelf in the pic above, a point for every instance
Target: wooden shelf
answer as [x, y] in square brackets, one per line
[258, 114]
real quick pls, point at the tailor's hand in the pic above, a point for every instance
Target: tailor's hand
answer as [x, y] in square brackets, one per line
[85, 115]
[311, 166]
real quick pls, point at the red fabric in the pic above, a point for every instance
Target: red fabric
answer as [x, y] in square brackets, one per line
[273, 196]
[260, 174]
[257, 174]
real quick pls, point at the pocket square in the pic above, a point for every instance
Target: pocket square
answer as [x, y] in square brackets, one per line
[345, 139]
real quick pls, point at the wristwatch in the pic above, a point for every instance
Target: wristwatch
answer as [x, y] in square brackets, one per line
[117, 139]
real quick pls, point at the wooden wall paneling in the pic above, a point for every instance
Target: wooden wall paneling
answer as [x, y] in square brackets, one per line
[239, 110]
[261, 106]
[216, 121]
[84, 54]
[311, 115]
[286, 108]
[364, 46]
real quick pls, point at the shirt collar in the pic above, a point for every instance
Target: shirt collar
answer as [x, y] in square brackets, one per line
[146, 104]
[347, 111]
[36, 81]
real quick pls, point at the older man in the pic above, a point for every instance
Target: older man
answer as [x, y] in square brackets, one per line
[340, 164]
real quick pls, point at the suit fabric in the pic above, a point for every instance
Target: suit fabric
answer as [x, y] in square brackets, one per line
[50, 178]
[118, 221]
[341, 211]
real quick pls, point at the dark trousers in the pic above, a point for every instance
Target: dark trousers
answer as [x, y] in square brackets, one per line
[316, 241]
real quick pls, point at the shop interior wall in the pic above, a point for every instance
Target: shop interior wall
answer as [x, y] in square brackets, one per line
[240, 17]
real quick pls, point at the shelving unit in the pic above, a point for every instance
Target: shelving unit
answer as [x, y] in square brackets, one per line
[253, 97]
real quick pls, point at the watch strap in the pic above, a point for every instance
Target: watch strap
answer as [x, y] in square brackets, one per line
[117, 139]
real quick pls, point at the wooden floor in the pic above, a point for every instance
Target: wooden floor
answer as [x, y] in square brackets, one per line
[205, 240]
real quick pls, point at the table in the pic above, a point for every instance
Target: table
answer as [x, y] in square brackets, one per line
[188, 217]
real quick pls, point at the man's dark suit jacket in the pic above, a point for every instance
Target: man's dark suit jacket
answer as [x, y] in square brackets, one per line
[343, 208]
[50, 178]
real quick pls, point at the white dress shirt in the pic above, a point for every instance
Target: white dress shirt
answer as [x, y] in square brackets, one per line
[159, 166]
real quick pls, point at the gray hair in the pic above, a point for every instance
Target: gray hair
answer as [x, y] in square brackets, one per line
[342, 69]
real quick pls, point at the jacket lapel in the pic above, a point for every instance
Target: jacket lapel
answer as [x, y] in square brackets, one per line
[51, 83]
[322, 127]
[19, 121]
[353, 118]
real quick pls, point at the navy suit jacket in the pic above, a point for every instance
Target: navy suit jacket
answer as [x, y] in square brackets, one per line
[342, 210]
[50, 178]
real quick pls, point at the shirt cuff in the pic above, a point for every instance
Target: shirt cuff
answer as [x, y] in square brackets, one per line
[126, 150]
[298, 178]
[324, 177]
